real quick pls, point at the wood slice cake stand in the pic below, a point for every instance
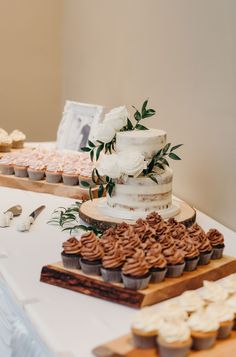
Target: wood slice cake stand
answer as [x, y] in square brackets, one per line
[91, 213]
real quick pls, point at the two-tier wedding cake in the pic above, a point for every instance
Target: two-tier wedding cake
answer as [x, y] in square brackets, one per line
[134, 166]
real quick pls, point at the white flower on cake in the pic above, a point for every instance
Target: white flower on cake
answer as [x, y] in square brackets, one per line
[104, 133]
[117, 118]
[131, 163]
[109, 166]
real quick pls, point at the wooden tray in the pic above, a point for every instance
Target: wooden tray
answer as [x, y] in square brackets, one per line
[58, 189]
[90, 213]
[56, 274]
[123, 347]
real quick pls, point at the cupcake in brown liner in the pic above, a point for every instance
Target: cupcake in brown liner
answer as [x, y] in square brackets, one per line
[149, 243]
[174, 339]
[135, 271]
[204, 330]
[36, 170]
[191, 301]
[176, 229]
[18, 139]
[5, 143]
[201, 241]
[166, 241]
[161, 228]
[153, 219]
[71, 253]
[191, 254]
[21, 167]
[140, 227]
[70, 176]
[122, 229]
[225, 317]
[217, 241]
[112, 262]
[54, 172]
[108, 239]
[92, 253]
[145, 328]
[213, 292]
[6, 165]
[175, 262]
[157, 263]
[173, 312]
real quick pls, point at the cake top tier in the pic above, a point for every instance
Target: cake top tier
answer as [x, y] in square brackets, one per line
[146, 142]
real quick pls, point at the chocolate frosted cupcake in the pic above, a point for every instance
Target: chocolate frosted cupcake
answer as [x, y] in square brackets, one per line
[157, 263]
[92, 253]
[135, 271]
[140, 227]
[108, 239]
[71, 253]
[112, 262]
[217, 241]
[175, 261]
[201, 241]
[153, 219]
[130, 242]
[166, 241]
[176, 229]
[191, 254]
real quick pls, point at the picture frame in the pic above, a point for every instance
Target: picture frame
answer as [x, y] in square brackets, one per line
[77, 125]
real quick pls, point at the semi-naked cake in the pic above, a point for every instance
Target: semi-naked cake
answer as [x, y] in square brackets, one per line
[135, 197]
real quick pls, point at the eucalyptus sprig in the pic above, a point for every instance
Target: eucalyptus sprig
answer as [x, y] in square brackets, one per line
[160, 159]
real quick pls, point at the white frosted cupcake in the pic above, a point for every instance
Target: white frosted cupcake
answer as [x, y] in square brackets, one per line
[204, 330]
[5, 143]
[190, 301]
[224, 315]
[231, 303]
[229, 284]
[6, 164]
[18, 139]
[145, 328]
[172, 311]
[174, 339]
[36, 170]
[213, 292]
[3, 132]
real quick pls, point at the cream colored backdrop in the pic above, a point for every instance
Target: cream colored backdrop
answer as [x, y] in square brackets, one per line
[179, 53]
[30, 66]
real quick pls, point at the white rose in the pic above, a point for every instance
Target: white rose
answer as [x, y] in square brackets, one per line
[117, 118]
[104, 133]
[109, 166]
[131, 163]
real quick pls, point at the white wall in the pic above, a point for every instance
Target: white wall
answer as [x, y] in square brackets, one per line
[182, 55]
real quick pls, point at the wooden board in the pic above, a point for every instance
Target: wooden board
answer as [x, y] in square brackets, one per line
[56, 274]
[123, 347]
[58, 189]
[90, 213]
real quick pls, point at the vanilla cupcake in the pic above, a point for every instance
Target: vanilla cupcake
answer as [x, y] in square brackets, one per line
[225, 317]
[213, 292]
[190, 301]
[229, 284]
[6, 164]
[18, 139]
[172, 311]
[54, 172]
[231, 303]
[5, 143]
[21, 165]
[3, 132]
[204, 329]
[145, 328]
[174, 339]
[36, 170]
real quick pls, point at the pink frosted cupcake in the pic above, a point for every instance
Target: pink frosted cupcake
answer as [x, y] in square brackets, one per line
[6, 164]
[54, 172]
[70, 176]
[36, 170]
[21, 166]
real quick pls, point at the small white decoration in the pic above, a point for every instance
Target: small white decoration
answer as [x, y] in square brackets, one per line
[104, 133]
[24, 226]
[131, 163]
[109, 166]
[117, 118]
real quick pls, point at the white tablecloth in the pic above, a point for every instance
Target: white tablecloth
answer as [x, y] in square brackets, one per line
[69, 324]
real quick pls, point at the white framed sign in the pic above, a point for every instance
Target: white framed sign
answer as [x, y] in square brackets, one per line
[77, 124]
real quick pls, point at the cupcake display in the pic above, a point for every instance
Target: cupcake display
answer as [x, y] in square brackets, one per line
[157, 263]
[217, 241]
[175, 261]
[112, 262]
[71, 253]
[92, 254]
[36, 170]
[191, 302]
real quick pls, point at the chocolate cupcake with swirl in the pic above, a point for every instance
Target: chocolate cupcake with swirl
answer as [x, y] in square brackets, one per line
[201, 241]
[217, 241]
[92, 253]
[191, 254]
[157, 263]
[135, 271]
[71, 253]
[175, 261]
[153, 219]
[140, 228]
[122, 229]
[130, 242]
[112, 262]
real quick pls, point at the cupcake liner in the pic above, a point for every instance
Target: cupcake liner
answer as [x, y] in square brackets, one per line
[204, 342]
[217, 253]
[174, 271]
[191, 264]
[158, 275]
[204, 258]
[144, 342]
[5, 148]
[18, 144]
[171, 350]
[234, 325]
[36, 175]
[225, 330]
[91, 267]
[135, 283]
[6, 169]
[20, 171]
[71, 261]
[70, 180]
[111, 275]
[53, 177]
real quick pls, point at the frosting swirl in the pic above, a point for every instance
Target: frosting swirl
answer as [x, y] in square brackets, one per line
[136, 265]
[190, 301]
[191, 251]
[173, 255]
[154, 219]
[166, 241]
[171, 332]
[130, 243]
[213, 292]
[215, 237]
[201, 322]
[140, 227]
[113, 257]
[221, 311]
[122, 229]
[91, 247]
[155, 259]
[72, 246]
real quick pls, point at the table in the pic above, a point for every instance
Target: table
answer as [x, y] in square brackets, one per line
[60, 322]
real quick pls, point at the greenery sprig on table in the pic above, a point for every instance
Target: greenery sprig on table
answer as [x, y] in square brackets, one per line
[67, 219]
